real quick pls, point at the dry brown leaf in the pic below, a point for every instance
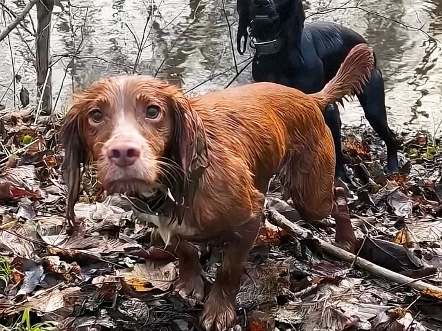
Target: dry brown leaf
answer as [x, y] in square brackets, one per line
[270, 234]
[50, 230]
[149, 276]
[433, 294]
[50, 161]
[396, 319]
[16, 240]
[401, 237]
[425, 230]
[46, 301]
[357, 148]
[401, 204]
[400, 179]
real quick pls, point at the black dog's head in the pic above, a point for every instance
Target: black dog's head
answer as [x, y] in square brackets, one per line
[271, 22]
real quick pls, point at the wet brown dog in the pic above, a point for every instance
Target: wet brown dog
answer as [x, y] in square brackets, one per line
[215, 154]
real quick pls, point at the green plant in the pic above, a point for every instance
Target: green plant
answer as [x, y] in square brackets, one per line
[5, 273]
[431, 151]
[24, 324]
[413, 153]
[27, 139]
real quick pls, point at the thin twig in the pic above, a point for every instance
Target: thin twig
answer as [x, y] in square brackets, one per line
[171, 46]
[327, 9]
[14, 16]
[238, 73]
[22, 149]
[140, 45]
[73, 69]
[231, 39]
[20, 17]
[373, 13]
[10, 84]
[144, 38]
[74, 56]
[214, 76]
[37, 115]
[11, 52]
[86, 57]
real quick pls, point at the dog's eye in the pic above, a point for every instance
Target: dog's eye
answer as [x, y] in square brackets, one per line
[152, 112]
[96, 116]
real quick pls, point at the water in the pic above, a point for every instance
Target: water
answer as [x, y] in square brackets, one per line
[188, 42]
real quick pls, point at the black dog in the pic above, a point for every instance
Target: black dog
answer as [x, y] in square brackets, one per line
[306, 57]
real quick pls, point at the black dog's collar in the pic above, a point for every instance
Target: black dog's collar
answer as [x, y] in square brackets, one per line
[268, 47]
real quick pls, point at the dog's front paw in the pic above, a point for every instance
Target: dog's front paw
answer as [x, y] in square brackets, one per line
[190, 288]
[219, 314]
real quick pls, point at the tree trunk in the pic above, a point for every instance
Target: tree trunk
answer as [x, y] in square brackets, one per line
[44, 71]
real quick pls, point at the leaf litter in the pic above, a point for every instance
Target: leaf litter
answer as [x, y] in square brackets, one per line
[109, 275]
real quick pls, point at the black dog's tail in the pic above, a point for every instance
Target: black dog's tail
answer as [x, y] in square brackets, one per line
[351, 77]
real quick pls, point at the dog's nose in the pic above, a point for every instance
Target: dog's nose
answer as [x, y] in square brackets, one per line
[123, 154]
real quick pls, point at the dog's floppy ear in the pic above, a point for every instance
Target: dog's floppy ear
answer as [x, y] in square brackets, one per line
[189, 148]
[295, 23]
[242, 7]
[75, 154]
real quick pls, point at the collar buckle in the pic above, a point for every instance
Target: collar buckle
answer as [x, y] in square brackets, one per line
[267, 47]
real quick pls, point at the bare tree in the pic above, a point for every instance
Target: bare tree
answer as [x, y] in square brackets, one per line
[44, 70]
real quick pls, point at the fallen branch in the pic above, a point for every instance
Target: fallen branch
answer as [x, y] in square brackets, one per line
[337, 252]
[18, 19]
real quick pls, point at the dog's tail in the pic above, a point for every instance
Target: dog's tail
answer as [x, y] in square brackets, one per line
[351, 77]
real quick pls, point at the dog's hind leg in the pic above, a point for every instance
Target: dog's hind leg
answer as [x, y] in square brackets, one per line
[345, 236]
[333, 121]
[307, 177]
[372, 100]
[309, 180]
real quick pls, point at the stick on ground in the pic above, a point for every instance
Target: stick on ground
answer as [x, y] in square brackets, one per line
[337, 252]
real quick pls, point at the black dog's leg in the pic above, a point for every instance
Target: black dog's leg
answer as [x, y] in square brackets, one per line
[333, 121]
[372, 100]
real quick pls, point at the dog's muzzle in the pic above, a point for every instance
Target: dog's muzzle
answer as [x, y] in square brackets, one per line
[266, 32]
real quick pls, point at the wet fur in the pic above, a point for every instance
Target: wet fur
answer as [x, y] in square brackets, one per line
[225, 146]
[188, 149]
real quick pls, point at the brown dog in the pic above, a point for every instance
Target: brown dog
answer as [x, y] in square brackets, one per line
[205, 163]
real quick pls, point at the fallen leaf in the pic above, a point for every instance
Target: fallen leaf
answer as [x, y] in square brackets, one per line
[149, 276]
[18, 240]
[400, 203]
[20, 182]
[50, 230]
[396, 320]
[270, 234]
[47, 301]
[33, 275]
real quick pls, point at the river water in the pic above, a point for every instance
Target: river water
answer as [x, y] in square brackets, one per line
[188, 42]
